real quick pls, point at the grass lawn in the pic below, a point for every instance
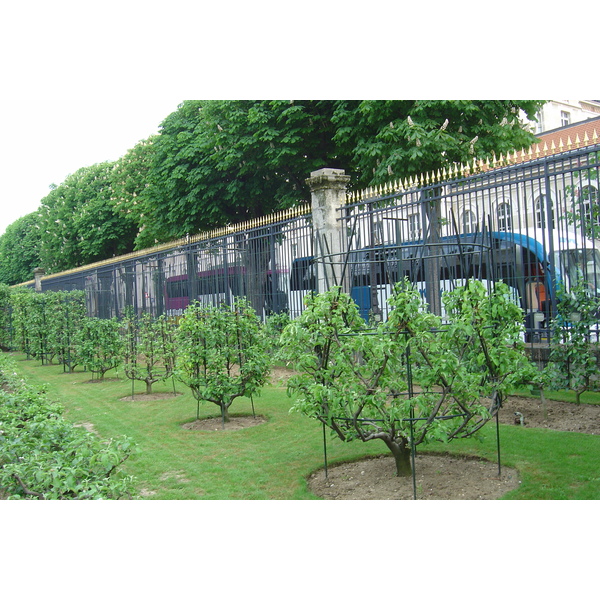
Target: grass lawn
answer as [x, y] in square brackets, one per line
[272, 460]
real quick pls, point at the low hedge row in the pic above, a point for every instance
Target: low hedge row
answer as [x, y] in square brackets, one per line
[43, 456]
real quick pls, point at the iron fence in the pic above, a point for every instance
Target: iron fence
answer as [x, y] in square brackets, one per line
[533, 224]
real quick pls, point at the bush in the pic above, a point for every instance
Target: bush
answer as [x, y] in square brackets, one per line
[44, 457]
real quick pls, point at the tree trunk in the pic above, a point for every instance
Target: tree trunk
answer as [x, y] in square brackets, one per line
[225, 412]
[401, 452]
[148, 387]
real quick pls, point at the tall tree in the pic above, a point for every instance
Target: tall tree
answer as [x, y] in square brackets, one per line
[218, 162]
[19, 250]
[78, 223]
[395, 138]
[129, 179]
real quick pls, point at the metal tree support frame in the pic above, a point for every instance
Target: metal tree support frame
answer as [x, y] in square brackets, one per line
[495, 408]
[465, 256]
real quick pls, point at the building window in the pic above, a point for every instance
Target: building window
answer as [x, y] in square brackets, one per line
[589, 204]
[468, 221]
[565, 118]
[504, 214]
[539, 126]
[540, 211]
[414, 226]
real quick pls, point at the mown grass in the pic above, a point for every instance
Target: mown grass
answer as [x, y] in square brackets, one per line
[273, 459]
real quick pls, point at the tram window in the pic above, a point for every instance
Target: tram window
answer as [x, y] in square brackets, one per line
[177, 289]
[303, 275]
[236, 283]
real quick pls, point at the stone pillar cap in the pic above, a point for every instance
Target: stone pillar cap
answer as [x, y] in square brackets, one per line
[327, 172]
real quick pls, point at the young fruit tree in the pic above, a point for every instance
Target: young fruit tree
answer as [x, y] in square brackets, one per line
[149, 349]
[99, 345]
[574, 357]
[412, 379]
[222, 353]
[64, 313]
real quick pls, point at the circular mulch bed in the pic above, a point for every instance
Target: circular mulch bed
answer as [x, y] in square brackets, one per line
[144, 396]
[561, 416]
[446, 477]
[437, 477]
[216, 423]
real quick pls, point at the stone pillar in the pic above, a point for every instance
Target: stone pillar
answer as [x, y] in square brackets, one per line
[328, 194]
[38, 274]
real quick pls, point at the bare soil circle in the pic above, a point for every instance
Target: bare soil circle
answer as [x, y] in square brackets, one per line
[138, 397]
[551, 414]
[447, 477]
[216, 423]
[437, 477]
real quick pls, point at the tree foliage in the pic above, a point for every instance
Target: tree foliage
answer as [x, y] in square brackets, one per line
[219, 162]
[44, 457]
[574, 357]
[78, 223]
[399, 138]
[222, 353]
[129, 180]
[99, 345]
[412, 378]
[20, 249]
[149, 348]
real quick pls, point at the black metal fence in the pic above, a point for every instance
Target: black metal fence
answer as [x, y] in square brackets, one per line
[533, 224]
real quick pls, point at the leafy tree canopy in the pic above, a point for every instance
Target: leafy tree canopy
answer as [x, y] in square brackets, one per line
[129, 179]
[19, 250]
[218, 162]
[393, 138]
[78, 223]
[224, 161]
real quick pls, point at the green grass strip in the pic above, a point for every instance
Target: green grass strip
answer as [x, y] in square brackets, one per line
[272, 460]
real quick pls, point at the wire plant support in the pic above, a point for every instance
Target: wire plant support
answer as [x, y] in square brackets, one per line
[466, 255]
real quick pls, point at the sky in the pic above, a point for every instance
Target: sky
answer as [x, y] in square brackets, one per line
[47, 150]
